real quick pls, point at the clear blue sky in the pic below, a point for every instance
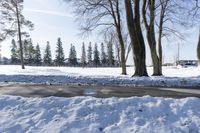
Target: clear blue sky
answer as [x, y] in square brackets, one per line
[53, 19]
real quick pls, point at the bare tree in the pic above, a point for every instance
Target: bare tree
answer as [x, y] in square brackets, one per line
[194, 12]
[110, 40]
[161, 17]
[137, 40]
[102, 14]
[112, 36]
[149, 17]
[193, 9]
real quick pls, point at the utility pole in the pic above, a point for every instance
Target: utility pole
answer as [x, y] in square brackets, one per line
[178, 51]
[177, 57]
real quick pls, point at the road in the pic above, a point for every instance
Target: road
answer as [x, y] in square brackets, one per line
[28, 90]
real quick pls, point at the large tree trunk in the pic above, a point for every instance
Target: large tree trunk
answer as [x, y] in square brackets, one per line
[198, 49]
[164, 5]
[154, 56]
[122, 51]
[117, 21]
[20, 37]
[137, 40]
[150, 28]
[160, 44]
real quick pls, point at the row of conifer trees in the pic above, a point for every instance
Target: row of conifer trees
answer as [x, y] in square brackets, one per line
[91, 57]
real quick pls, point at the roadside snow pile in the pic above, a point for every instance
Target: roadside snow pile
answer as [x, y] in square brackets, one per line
[88, 114]
[173, 77]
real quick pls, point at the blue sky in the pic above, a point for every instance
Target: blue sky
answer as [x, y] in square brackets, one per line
[53, 19]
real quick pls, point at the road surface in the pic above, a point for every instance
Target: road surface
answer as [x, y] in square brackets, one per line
[28, 90]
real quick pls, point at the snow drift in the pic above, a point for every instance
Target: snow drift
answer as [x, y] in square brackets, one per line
[88, 114]
[173, 77]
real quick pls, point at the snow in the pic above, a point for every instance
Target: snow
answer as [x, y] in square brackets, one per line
[95, 115]
[173, 77]
[88, 114]
[99, 71]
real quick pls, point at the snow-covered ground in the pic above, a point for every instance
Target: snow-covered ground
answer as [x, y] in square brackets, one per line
[92, 115]
[167, 71]
[95, 115]
[173, 77]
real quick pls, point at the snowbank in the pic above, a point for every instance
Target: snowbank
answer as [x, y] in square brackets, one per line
[116, 71]
[173, 77]
[88, 114]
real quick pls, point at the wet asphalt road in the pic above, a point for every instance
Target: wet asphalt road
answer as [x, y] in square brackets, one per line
[95, 91]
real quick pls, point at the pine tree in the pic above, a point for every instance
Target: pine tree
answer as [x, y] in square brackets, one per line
[89, 54]
[38, 59]
[72, 56]
[83, 56]
[14, 56]
[31, 53]
[96, 56]
[47, 55]
[103, 55]
[25, 51]
[14, 20]
[111, 59]
[60, 58]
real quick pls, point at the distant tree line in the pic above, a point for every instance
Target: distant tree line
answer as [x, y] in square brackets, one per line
[92, 57]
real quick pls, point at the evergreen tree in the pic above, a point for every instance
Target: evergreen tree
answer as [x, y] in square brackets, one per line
[111, 59]
[60, 58]
[14, 56]
[89, 54]
[103, 55]
[96, 56]
[38, 59]
[75, 56]
[31, 53]
[72, 56]
[25, 51]
[47, 55]
[83, 56]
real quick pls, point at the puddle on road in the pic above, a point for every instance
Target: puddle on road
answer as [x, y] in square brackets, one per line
[89, 92]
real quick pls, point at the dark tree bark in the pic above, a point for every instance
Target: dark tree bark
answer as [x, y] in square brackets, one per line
[117, 22]
[198, 49]
[137, 40]
[20, 37]
[150, 32]
[155, 47]
[163, 5]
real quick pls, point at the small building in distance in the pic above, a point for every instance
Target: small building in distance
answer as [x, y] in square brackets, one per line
[187, 63]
